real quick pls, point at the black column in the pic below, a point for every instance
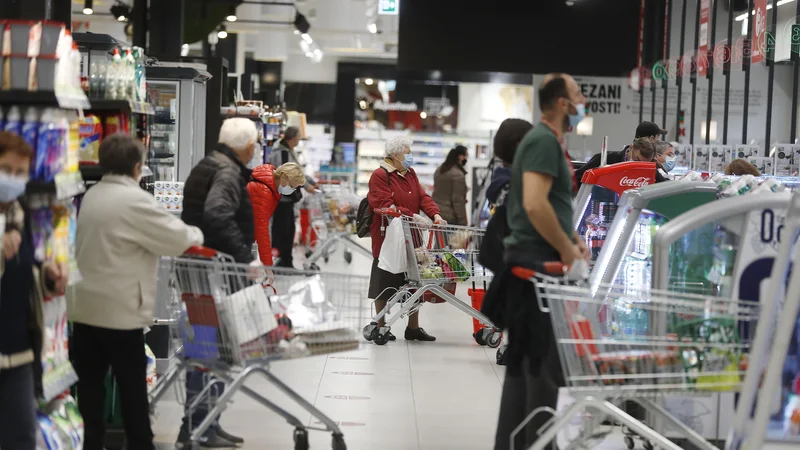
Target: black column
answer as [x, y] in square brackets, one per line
[712, 41]
[58, 10]
[679, 73]
[166, 28]
[747, 54]
[693, 78]
[726, 70]
[139, 18]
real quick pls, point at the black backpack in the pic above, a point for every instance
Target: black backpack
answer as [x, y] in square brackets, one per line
[365, 213]
[492, 249]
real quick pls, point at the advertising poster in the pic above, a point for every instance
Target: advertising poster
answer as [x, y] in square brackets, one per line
[702, 59]
[759, 31]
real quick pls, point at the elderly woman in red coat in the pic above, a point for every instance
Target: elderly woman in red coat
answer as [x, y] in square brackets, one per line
[266, 187]
[396, 184]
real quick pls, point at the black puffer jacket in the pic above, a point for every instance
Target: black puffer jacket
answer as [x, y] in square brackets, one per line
[215, 199]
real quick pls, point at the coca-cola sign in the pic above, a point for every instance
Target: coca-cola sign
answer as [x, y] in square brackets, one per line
[634, 182]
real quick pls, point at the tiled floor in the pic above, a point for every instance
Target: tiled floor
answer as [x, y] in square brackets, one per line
[402, 396]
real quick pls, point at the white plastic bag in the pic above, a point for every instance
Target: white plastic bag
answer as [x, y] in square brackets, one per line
[393, 252]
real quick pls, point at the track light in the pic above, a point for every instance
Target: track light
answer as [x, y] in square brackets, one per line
[373, 28]
[222, 32]
[88, 8]
[121, 12]
[232, 15]
[306, 37]
[301, 23]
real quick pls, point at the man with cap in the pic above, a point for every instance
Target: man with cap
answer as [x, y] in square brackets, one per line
[644, 150]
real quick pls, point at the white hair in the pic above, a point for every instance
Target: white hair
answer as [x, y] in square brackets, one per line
[238, 133]
[397, 145]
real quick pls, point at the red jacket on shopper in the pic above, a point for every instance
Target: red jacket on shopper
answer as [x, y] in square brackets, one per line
[265, 197]
[403, 191]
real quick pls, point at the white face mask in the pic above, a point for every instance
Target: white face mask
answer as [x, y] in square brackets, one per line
[286, 190]
[11, 187]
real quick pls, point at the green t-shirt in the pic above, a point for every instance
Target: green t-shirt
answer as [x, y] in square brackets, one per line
[539, 151]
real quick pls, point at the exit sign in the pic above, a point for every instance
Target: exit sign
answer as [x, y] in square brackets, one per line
[388, 7]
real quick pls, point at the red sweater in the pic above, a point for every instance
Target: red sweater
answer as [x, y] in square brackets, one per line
[265, 197]
[404, 192]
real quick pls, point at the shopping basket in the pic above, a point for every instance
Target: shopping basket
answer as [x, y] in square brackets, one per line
[237, 318]
[337, 205]
[437, 258]
[649, 344]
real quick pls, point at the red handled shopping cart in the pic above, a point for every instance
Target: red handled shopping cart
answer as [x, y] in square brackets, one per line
[438, 258]
[235, 319]
[645, 345]
[336, 206]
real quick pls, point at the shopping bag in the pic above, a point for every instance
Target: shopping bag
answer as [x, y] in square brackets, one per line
[393, 252]
[247, 315]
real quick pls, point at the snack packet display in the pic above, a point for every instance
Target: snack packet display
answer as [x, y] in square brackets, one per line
[90, 132]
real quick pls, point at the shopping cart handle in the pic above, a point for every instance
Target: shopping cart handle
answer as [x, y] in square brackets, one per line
[329, 182]
[547, 268]
[388, 212]
[198, 250]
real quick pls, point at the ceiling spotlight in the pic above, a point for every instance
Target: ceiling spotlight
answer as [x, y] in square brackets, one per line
[306, 37]
[570, 3]
[368, 81]
[373, 28]
[362, 104]
[222, 32]
[296, 31]
[121, 12]
[423, 115]
[88, 7]
[232, 15]
[301, 23]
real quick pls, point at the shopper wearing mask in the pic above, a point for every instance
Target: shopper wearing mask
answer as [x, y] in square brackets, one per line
[283, 220]
[122, 232]
[266, 187]
[22, 292]
[216, 200]
[641, 149]
[665, 157]
[539, 216]
[450, 187]
[396, 184]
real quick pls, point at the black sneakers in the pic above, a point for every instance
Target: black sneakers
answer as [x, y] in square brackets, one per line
[229, 437]
[418, 334]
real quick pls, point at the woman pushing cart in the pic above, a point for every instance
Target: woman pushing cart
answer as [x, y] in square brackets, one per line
[233, 326]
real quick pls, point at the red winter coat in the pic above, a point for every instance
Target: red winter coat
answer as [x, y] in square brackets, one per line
[404, 192]
[265, 197]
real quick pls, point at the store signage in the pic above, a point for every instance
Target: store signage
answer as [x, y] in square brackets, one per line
[759, 31]
[702, 62]
[399, 106]
[389, 7]
[435, 105]
[603, 98]
[634, 182]
[759, 246]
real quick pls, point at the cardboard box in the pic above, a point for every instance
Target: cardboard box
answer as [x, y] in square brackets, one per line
[762, 163]
[783, 163]
[746, 151]
[719, 157]
[683, 155]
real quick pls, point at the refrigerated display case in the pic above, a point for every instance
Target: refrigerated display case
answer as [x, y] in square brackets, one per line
[595, 205]
[725, 248]
[177, 134]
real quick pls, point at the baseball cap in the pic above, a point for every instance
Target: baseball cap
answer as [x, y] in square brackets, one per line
[646, 129]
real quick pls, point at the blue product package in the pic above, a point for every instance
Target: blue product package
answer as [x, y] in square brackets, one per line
[204, 343]
[13, 121]
[30, 127]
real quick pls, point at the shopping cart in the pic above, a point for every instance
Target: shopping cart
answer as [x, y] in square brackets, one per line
[337, 205]
[438, 258]
[233, 326]
[620, 344]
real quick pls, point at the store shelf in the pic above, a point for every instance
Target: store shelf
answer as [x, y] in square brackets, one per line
[43, 98]
[58, 381]
[65, 185]
[100, 105]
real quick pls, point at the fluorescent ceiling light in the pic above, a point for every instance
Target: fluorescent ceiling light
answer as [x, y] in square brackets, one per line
[373, 28]
[741, 17]
[307, 38]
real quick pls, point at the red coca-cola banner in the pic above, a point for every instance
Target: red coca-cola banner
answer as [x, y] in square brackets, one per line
[621, 177]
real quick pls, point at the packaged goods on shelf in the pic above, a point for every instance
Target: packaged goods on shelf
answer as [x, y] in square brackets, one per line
[719, 157]
[90, 135]
[700, 158]
[784, 164]
[683, 155]
[762, 163]
[169, 194]
[747, 151]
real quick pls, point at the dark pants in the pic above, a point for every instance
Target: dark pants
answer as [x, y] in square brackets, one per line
[93, 351]
[195, 382]
[283, 233]
[18, 425]
[524, 393]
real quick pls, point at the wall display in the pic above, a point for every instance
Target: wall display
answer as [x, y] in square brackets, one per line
[700, 158]
[762, 163]
[784, 162]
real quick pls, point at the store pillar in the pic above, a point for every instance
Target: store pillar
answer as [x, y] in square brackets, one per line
[58, 10]
[166, 28]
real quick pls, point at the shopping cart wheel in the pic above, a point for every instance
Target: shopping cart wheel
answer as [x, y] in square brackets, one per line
[338, 442]
[381, 338]
[629, 442]
[348, 257]
[647, 445]
[495, 339]
[371, 331]
[482, 336]
[300, 439]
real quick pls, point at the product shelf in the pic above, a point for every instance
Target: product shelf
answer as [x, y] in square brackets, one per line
[64, 186]
[42, 98]
[101, 105]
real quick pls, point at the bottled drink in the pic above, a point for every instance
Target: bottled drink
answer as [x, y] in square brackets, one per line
[115, 77]
[94, 80]
[14, 120]
[30, 126]
[141, 92]
[129, 91]
[102, 80]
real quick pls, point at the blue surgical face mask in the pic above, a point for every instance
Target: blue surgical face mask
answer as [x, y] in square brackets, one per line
[11, 187]
[408, 161]
[669, 164]
[580, 113]
[286, 190]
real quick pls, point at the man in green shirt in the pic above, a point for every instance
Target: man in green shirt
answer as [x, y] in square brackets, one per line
[539, 208]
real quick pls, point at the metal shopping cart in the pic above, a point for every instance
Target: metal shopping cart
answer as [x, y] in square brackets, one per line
[337, 207]
[233, 327]
[620, 344]
[438, 258]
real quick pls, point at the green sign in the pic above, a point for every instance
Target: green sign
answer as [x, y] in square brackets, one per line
[795, 41]
[388, 7]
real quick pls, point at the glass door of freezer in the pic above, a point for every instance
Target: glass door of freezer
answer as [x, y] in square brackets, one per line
[164, 132]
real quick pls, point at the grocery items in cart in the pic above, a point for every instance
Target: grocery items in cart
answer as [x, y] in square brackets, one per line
[239, 318]
[434, 259]
[61, 426]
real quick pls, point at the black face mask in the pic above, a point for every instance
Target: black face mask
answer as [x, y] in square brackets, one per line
[295, 196]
